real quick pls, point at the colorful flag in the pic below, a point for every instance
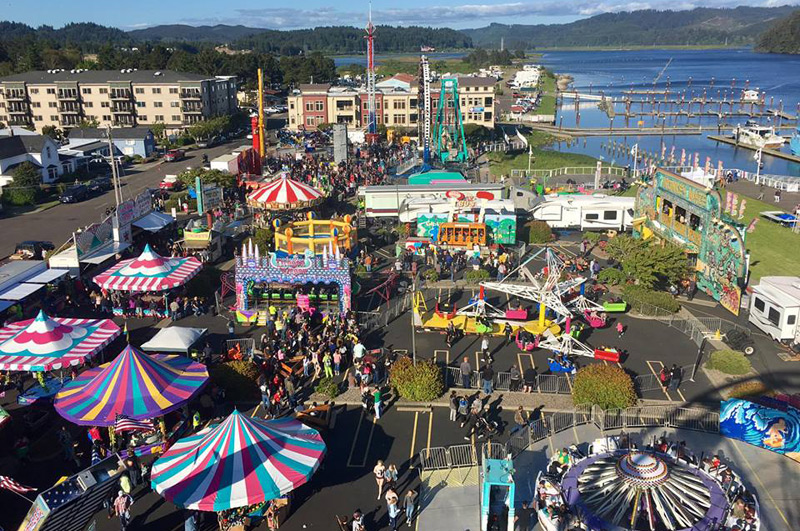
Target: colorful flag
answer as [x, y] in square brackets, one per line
[734, 204]
[728, 197]
[741, 208]
[752, 226]
[125, 423]
[9, 484]
[708, 165]
[696, 159]
[683, 157]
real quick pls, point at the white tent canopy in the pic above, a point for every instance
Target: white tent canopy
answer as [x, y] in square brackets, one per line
[154, 221]
[45, 277]
[174, 339]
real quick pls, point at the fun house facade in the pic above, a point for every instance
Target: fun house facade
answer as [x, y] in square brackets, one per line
[675, 208]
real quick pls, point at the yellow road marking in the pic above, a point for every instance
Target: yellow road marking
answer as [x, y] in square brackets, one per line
[683, 398]
[650, 365]
[414, 436]
[763, 487]
[444, 352]
[430, 429]
[255, 411]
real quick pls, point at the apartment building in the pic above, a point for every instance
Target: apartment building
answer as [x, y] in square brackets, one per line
[396, 103]
[120, 98]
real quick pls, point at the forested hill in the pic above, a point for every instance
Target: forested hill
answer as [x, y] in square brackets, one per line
[783, 37]
[701, 26]
[221, 33]
[346, 39]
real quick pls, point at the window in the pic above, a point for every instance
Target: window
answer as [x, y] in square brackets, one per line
[86, 90]
[774, 316]
[591, 217]
[173, 90]
[39, 118]
[319, 106]
[156, 90]
[309, 107]
[174, 104]
[106, 117]
[34, 91]
[103, 91]
[176, 118]
[51, 91]
[487, 101]
[309, 120]
[54, 118]
[142, 117]
[88, 104]
[158, 104]
[48, 152]
[291, 105]
[141, 104]
[790, 320]
[2, 105]
[36, 104]
[138, 90]
[610, 214]
[52, 104]
[159, 117]
[759, 304]
[104, 104]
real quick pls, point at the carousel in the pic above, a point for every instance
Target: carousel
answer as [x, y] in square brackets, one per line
[146, 275]
[47, 344]
[243, 467]
[135, 385]
[284, 193]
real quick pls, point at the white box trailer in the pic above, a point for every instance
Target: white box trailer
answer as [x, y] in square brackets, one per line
[585, 212]
[385, 200]
[775, 308]
[227, 163]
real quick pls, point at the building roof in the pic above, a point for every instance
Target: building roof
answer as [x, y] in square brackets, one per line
[315, 87]
[476, 81]
[16, 130]
[122, 133]
[783, 290]
[105, 76]
[12, 146]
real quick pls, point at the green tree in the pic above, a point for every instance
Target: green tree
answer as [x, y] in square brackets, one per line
[210, 177]
[26, 174]
[24, 190]
[205, 129]
[607, 386]
[159, 130]
[646, 263]
[88, 124]
[53, 132]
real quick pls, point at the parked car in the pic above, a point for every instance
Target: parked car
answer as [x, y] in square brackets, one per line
[174, 155]
[74, 194]
[31, 250]
[171, 183]
[207, 142]
[99, 185]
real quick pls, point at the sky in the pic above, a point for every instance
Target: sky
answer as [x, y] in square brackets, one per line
[280, 14]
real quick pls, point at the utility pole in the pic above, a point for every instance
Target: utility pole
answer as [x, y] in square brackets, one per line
[114, 174]
[261, 114]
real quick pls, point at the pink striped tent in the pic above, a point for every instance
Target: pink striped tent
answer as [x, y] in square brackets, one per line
[149, 272]
[284, 193]
[48, 343]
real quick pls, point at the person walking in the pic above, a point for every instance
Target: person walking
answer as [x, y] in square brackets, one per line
[523, 518]
[409, 504]
[484, 348]
[231, 329]
[393, 508]
[378, 404]
[327, 362]
[675, 377]
[358, 520]
[190, 523]
[515, 378]
[620, 329]
[520, 419]
[122, 508]
[507, 331]
[453, 404]
[487, 378]
[391, 476]
[380, 476]
[466, 373]
[68, 446]
[463, 410]
[663, 377]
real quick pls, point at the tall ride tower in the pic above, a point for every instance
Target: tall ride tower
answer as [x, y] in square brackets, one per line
[372, 117]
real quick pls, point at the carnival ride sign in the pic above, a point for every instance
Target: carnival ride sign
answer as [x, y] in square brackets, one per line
[776, 429]
[291, 265]
[93, 237]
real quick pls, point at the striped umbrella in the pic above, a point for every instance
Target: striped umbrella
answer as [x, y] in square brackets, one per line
[240, 462]
[48, 343]
[284, 193]
[149, 272]
[137, 385]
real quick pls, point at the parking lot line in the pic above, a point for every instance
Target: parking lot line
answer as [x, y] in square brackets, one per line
[655, 372]
[413, 438]
[683, 398]
[430, 430]
[444, 353]
[355, 440]
[369, 441]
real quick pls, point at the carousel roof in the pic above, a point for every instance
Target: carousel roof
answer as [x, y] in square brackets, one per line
[47, 343]
[149, 272]
[242, 461]
[643, 490]
[137, 385]
[284, 192]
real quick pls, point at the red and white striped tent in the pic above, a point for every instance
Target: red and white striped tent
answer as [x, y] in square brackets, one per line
[284, 193]
[149, 272]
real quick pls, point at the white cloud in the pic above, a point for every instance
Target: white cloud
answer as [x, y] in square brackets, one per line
[458, 15]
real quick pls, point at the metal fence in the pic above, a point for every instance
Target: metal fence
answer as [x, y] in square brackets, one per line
[651, 382]
[544, 383]
[695, 328]
[370, 321]
[608, 171]
[466, 455]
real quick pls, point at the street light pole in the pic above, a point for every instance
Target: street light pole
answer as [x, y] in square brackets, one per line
[413, 316]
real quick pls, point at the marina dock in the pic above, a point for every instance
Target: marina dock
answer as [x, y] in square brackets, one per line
[772, 152]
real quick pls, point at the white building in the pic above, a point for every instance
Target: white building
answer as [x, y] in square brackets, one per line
[39, 150]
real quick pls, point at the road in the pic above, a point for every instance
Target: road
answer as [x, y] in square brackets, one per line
[57, 224]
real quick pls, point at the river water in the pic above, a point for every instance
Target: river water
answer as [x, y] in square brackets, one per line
[715, 72]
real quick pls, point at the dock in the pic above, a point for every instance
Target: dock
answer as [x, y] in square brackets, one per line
[771, 152]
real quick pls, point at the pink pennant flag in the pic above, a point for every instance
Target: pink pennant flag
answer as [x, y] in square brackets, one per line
[708, 165]
[696, 160]
[728, 197]
[752, 226]
[741, 208]
[683, 157]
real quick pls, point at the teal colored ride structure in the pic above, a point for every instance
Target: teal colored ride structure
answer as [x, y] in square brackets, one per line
[451, 145]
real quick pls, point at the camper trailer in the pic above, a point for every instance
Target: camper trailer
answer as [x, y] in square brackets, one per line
[585, 212]
[775, 308]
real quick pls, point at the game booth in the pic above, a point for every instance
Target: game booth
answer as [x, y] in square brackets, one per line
[244, 469]
[47, 344]
[146, 278]
[307, 280]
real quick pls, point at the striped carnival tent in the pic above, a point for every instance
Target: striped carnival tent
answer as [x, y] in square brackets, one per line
[240, 462]
[284, 193]
[48, 343]
[136, 385]
[149, 272]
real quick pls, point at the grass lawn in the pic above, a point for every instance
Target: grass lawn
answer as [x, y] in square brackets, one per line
[774, 249]
[543, 159]
[547, 104]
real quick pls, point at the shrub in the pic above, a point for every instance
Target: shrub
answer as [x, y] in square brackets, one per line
[474, 276]
[239, 379]
[729, 362]
[20, 196]
[607, 386]
[402, 230]
[612, 275]
[591, 237]
[750, 389]
[327, 386]
[421, 382]
[539, 232]
[641, 299]
[431, 275]
[137, 159]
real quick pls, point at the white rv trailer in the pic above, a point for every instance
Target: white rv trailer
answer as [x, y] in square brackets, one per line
[585, 212]
[775, 307]
[385, 200]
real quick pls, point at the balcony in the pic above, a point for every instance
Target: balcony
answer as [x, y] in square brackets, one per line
[124, 121]
[192, 109]
[20, 120]
[191, 120]
[122, 109]
[16, 95]
[191, 94]
[69, 109]
[18, 108]
[120, 94]
[69, 121]
[68, 94]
